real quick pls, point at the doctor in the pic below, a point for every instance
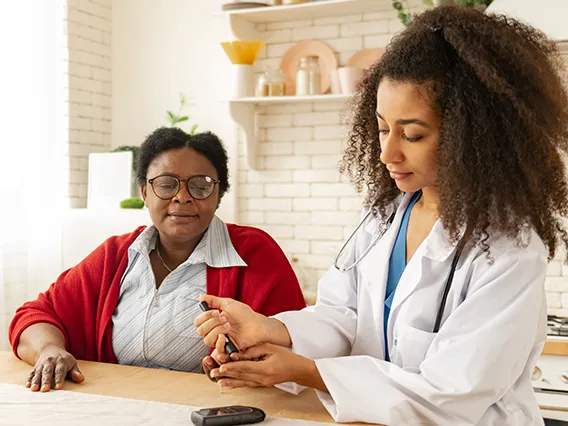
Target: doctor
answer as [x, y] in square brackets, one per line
[436, 314]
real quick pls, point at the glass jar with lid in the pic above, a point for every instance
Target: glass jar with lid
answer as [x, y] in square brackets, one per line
[308, 76]
[277, 84]
[263, 83]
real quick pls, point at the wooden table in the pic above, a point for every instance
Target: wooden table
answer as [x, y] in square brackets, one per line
[175, 388]
[552, 347]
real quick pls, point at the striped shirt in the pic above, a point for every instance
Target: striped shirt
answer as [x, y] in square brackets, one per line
[154, 327]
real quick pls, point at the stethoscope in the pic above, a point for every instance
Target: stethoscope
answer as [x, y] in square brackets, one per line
[390, 220]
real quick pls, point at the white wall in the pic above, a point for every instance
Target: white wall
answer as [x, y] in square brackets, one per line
[548, 15]
[161, 49]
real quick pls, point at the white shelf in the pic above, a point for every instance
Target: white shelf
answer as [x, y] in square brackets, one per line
[314, 9]
[243, 113]
[242, 26]
[268, 100]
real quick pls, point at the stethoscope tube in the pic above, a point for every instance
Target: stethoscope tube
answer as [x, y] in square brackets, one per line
[448, 285]
[368, 249]
[449, 279]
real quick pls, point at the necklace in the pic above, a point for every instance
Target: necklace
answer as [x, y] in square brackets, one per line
[162, 259]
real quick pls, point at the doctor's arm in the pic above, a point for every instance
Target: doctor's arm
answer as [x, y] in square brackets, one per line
[324, 330]
[477, 356]
[328, 328]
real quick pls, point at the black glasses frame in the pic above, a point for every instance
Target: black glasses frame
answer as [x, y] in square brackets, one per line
[179, 181]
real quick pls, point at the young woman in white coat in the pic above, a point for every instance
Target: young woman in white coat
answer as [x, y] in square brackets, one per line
[435, 315]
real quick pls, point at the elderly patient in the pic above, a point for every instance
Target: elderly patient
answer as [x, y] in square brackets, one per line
[134, 299]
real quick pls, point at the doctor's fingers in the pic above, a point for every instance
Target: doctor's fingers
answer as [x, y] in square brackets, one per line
[256, 352]
[256, 371]
[205, 317]
[237, 373]
[259, 379]
[219, 354]
[213, 328]
[236, 383]
[215, 302]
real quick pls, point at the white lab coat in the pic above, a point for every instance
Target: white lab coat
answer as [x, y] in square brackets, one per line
[475, 371]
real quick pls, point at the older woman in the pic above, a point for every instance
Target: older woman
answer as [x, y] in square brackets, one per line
[134, 299]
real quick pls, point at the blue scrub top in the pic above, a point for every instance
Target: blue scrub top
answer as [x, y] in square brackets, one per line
[397, 263]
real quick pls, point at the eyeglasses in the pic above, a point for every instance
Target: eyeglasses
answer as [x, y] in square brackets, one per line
[166, 187]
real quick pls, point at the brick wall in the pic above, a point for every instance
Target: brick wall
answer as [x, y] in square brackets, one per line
[90, 90]
[297, 195]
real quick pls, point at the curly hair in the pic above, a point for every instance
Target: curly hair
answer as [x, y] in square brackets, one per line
[498, 86]
[166, 138]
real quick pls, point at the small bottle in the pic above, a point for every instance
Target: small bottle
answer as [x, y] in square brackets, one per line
[308, 76]
[277, 85]
[262, 83]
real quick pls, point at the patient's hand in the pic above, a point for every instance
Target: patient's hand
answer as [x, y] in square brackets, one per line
[213, 361]
[54, 364]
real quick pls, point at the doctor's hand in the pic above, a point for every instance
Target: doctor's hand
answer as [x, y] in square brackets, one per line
[53, 365]
[268, 365]
[244, 326]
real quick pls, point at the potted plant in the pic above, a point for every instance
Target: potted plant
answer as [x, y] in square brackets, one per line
[134, 191]
[175, 119]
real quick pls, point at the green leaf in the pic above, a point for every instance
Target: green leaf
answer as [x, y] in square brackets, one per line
[174, 119]
[171, 118]
[193, 129]
[397, 5]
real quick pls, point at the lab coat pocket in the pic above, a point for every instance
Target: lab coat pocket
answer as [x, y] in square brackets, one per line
[185, 310]
[411, 345]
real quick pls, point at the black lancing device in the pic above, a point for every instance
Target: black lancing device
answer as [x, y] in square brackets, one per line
[230, 347]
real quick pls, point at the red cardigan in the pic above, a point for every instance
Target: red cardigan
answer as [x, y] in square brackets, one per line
[82, 300]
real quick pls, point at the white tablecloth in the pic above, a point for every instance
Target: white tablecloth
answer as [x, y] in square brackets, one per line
[20, 406]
